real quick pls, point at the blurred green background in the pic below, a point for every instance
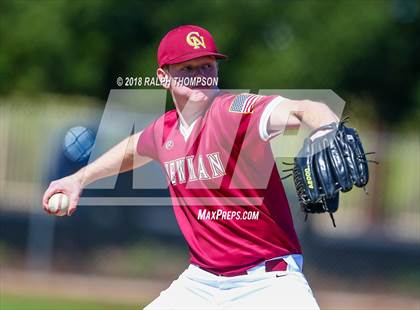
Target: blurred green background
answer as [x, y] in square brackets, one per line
[60, 59]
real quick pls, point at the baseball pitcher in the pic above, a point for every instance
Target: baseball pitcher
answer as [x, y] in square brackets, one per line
[227, 194]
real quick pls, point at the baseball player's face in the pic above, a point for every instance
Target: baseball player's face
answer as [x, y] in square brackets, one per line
[199, 67]
[204, 67]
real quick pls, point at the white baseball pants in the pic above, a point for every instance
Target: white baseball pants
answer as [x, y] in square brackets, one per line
[198, 289]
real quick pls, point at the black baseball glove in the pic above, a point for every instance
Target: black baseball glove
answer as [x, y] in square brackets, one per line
[327, 165]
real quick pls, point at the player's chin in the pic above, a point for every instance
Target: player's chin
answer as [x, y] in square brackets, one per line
[202, 92]
[199, 95]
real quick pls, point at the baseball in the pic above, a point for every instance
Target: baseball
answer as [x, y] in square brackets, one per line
[58, 204]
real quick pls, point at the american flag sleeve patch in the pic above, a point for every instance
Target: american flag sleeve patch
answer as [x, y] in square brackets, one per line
[244, 103]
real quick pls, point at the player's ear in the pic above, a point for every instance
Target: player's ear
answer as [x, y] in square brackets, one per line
[164, 77]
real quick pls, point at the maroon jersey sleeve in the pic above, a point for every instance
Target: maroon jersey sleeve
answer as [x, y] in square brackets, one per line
[247, 115]
[146, 146]
[262, 109]
[261, 115]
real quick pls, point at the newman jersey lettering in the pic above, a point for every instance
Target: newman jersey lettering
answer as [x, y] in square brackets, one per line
[223, 163]
[175, 169]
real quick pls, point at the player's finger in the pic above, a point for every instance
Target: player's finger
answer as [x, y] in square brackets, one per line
[45, 198]
[73, 205]
[51, 190]
[71, 211]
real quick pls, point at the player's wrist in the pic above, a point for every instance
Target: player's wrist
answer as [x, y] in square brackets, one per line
[81, 177]
[320, 133]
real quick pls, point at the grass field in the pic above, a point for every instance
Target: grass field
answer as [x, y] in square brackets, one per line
[13, 302]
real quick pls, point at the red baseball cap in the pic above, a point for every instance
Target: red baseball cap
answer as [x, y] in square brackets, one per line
[185, 43]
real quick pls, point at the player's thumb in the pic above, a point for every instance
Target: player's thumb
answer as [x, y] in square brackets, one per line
[74, 199]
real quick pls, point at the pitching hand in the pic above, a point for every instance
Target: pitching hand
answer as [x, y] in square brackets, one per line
[70, 186]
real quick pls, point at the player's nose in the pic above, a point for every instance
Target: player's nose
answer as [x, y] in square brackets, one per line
[197, 72]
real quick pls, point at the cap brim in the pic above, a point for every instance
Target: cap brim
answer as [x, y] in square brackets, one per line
[194, 55]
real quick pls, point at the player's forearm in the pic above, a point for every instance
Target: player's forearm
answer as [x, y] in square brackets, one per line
[119, 158]
[293, 113]
[314, 114]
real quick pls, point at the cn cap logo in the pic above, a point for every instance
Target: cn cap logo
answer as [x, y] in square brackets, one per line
[194, 39]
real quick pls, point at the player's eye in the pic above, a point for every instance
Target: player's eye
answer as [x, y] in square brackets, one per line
[187, 69]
